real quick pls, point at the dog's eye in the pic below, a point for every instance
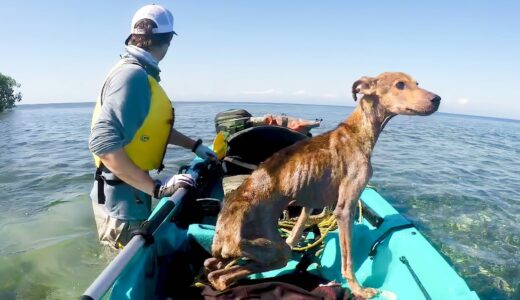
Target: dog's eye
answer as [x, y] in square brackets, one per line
[400, 85]
[417, 83]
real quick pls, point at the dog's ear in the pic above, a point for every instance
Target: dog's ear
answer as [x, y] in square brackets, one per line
[364, 85]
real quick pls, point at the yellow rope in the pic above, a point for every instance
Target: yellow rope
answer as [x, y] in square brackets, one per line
[370, 186]
[332, 225]
[199, 284]
[327, 224]
[232, 263]
[120, 246]
[360, 218]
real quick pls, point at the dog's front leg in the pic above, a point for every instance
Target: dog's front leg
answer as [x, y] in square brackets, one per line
[298, 228]
[349, 192]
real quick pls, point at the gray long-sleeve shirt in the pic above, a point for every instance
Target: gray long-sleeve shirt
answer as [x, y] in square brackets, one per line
[126, 102]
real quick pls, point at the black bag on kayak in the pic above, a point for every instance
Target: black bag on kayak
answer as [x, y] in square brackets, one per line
[232, 120]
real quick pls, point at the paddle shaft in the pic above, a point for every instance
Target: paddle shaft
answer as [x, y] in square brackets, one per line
[109, 275]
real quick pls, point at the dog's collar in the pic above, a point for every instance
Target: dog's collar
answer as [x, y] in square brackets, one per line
[383, 124]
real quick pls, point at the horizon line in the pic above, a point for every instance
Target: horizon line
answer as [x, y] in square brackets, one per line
[285, 103]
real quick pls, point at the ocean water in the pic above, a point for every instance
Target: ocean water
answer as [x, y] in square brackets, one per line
[456, 177]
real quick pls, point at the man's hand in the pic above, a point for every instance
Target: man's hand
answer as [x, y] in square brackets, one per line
[203, 152]
[166, 190]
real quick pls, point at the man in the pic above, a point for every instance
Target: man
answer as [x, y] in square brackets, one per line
[131, 127]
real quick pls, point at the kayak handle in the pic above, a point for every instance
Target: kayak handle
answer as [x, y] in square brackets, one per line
[389, 231]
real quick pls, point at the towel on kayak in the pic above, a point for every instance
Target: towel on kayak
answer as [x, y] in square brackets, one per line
[296, 124]
[301, 286]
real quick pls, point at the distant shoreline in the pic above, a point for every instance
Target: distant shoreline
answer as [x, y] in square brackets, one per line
[276, 103]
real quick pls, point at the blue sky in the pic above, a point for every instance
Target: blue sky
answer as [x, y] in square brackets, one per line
[275, 51]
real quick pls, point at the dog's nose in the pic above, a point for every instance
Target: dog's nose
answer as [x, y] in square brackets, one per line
[436, 100]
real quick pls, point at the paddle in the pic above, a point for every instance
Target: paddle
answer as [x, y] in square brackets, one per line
[143, 238]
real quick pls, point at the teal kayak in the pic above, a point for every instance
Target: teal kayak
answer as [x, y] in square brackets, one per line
[404, 266]
[389, 253]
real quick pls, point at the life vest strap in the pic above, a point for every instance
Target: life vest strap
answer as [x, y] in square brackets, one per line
[101, 180]
[100, 185]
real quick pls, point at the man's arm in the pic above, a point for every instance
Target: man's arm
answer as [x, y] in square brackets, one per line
[120, 164]
[179, 139]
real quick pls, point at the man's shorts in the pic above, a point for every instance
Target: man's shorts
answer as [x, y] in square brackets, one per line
[112, 232]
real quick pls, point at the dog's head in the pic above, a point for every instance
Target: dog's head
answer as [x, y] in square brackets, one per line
[398, 93]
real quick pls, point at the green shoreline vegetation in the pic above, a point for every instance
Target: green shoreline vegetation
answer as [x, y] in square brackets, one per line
[8, 95]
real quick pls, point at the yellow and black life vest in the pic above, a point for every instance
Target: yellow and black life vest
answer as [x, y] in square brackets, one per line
[148, 146]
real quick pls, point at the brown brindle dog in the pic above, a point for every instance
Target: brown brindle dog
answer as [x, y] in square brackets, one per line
[332, 168]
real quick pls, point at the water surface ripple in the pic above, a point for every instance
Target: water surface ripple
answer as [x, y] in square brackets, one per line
[456, 177]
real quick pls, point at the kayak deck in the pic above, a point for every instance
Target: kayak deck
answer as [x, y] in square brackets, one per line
[389, 253]
[425, 273]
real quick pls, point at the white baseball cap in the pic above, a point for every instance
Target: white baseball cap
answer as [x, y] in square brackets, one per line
[161, 16]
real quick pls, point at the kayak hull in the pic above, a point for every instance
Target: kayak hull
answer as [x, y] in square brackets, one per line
[405, 264]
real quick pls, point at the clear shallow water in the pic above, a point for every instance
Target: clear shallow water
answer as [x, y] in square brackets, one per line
[456, 177]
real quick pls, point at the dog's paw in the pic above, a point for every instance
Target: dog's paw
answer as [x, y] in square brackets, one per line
[211, 264]
[365, 293]
[217, 282]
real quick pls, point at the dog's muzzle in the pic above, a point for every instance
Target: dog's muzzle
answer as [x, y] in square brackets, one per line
[436, 101]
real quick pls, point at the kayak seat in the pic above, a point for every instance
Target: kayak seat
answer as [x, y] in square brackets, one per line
[231, 183]
[202, 234]
[248, 148]
[200, 211]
